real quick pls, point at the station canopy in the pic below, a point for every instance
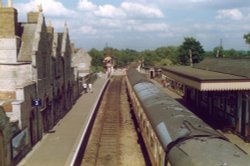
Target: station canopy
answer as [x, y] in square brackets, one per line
[206, 80]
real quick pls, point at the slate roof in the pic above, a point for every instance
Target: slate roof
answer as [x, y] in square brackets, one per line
[27, 42]
[233, 66]
[213, 74]
[201, 75]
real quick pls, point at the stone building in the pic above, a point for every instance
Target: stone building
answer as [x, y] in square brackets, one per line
[81, 61]
[62, 73]
[109, 60]
[37, 81]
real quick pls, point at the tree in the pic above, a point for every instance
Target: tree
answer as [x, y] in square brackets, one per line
[231, 53]
[125, 56]
[247, 38]
[218, 51]
[97, 58]
[190, 44]
[149, 57]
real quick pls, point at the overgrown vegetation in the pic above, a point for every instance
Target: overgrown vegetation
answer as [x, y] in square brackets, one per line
[163, 56]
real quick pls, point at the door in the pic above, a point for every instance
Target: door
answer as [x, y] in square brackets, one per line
[151, 74]
[243, 117]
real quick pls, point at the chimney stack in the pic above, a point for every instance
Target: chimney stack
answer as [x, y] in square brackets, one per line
[33, 16]
[50, 28]
[8, 20]
[10, 3]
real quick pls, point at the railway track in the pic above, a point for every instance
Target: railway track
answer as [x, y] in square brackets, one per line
[113, 139]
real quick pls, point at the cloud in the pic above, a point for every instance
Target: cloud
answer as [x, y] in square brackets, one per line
[88, 30]
[234, 14]
[86, 5]
[205, 4]
[50, 8]
[58, 24]
[109, 11]
[113, 23]
[125, 9]
[149, 27]
[139, 9]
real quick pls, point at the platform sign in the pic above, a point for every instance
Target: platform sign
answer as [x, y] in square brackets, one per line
[36, 102]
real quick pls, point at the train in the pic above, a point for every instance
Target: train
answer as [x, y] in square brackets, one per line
[172, 134]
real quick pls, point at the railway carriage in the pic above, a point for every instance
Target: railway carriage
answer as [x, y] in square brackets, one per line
[173, 135]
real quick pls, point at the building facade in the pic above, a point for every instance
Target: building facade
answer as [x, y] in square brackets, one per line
[37, 86]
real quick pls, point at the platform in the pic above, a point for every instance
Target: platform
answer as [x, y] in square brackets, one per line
[59, 147]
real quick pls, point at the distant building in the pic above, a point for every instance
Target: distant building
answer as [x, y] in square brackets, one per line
[82, 61]
[109, 61]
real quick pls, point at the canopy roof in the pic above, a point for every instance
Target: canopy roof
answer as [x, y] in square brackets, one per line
[205, 80]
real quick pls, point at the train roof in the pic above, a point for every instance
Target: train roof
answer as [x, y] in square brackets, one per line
[135, 77]
[207, 152]
[167, 115]
[182, 132]
[187, 139]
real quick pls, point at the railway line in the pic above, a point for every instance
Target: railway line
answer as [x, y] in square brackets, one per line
[105, 134]
[113, 139]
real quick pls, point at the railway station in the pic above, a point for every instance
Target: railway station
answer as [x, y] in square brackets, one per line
[74, 149]
[58, 109]
[216, 89]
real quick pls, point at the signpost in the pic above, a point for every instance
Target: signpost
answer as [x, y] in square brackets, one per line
[36, 102]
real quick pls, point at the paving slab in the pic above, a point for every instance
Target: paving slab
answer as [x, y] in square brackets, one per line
[58, 148]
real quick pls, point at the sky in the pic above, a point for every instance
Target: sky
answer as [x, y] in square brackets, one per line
[146, 24]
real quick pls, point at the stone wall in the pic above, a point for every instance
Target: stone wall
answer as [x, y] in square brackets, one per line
[14, 75]
[9, 48]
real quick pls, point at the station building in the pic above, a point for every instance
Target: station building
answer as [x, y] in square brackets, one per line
[38, 85]
[218, 89]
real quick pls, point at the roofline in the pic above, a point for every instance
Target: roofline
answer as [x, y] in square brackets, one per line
[208, 79]
[209, 85]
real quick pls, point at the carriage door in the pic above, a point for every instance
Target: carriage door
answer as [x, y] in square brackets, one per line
[151, 74]
[243, 115]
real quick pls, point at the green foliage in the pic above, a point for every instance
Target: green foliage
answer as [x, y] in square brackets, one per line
[247, 38]
[218, 51]
[162, 56]
[97, 57]
[97, 69]
[168, 55]
[124, 57]
[230, 53]
[192, 44]
[226, 53]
